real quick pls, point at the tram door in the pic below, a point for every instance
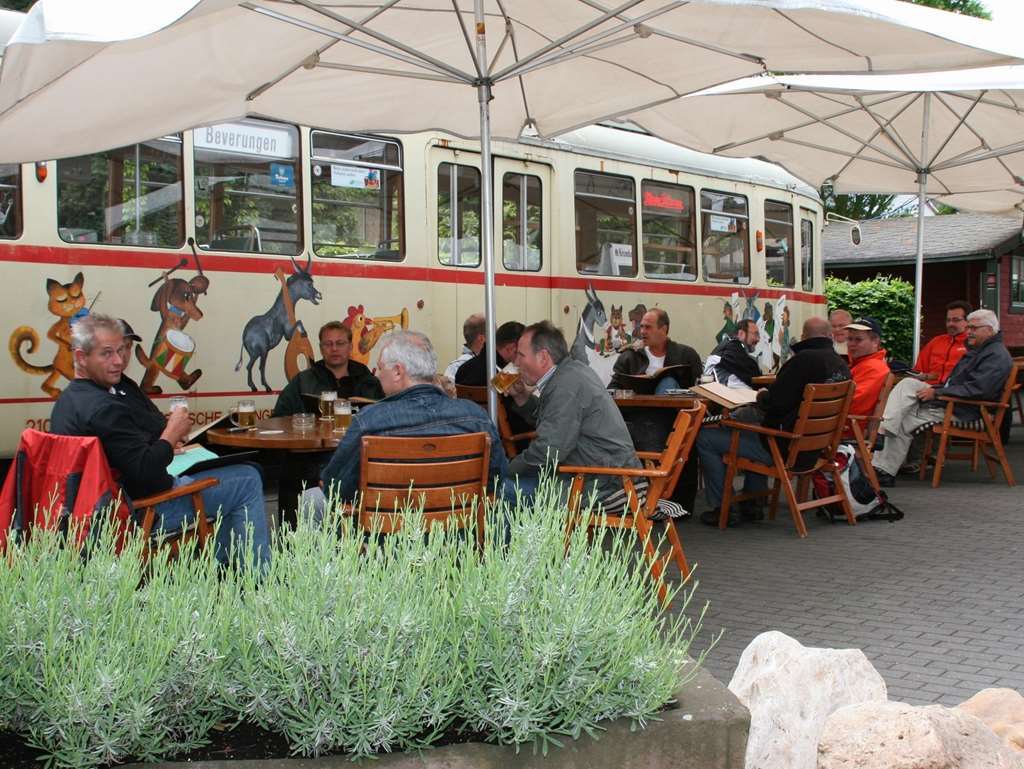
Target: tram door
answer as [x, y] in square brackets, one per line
[522, 215]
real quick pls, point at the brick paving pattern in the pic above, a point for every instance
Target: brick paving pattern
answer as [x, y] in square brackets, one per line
[935, 601]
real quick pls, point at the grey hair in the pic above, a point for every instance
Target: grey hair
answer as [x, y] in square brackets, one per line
[413, 350]
[545, 336]
[83, 331]
[987, 317]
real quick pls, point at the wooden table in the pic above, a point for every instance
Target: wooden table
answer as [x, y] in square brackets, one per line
[763, 381]
[657, 401]
[321, 438]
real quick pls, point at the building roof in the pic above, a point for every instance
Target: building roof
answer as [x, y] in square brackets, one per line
[951, 238]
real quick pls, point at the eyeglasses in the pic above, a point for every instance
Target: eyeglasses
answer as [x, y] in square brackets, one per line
[976, 326]
[339, 343]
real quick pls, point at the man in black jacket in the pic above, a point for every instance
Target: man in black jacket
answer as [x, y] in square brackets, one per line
[334, 371]
[814, 361]
[474, 371]
[980, 375]
[650, 427]
[732, 362]
[139, 444]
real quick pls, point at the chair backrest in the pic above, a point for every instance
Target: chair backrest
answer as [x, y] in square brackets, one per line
[439, 472]
[56, 481]
[1012, 384]
[820, 420]
[872, 435]
[472, 393]
[677, 449]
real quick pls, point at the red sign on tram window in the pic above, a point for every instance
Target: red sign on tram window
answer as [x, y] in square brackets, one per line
[664, 201]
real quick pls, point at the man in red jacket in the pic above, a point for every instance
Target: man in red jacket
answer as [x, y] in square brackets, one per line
[939, 357]
[867, 364]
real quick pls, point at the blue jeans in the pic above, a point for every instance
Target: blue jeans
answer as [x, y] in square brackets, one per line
[712, 445]
[237, 500]
[666, 383]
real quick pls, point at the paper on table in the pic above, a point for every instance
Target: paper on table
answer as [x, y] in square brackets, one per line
[192, 456]
[730, 397]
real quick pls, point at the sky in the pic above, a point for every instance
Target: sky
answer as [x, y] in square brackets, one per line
[1006, 11]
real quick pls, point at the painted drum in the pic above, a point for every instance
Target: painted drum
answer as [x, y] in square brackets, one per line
[174, 351]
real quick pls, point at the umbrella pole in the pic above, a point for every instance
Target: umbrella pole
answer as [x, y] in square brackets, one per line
[922, 186]
[483, 91]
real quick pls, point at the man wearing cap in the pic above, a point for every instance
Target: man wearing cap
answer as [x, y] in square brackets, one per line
[127, 387]
[868, 368]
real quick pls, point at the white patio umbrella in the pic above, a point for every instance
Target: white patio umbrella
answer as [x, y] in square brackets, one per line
[79, 77]
[958, 135]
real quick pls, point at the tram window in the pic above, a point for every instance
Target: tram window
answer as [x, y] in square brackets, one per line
[458, 215]
[670, 248]
[126, 196]
[247, 187]
[605, 224]
[778, 243]
[725, 237]
[10, 200]
[357, 197]
[521, 222]
[807, 249]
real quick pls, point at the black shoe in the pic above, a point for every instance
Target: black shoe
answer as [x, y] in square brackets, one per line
[752, 513]
[885, 480]
[710, 518]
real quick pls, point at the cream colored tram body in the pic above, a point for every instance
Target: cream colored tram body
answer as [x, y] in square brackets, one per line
[222, 245]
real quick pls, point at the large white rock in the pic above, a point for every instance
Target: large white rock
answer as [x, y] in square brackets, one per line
[1002, 711]
[894, 735]
[790, 689]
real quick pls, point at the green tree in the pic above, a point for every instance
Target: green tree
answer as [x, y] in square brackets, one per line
[16, 5]
[889, 300]
[966, 7]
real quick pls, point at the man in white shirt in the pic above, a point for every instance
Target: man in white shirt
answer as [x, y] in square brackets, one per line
[474, 331]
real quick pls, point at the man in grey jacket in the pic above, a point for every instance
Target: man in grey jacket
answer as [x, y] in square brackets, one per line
[913, 406]
[577, 421]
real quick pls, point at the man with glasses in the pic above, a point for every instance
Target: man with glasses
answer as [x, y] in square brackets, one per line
[335, 371]
[913, 406]
[938, 358]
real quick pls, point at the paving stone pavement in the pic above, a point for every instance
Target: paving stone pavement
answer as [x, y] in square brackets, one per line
[935, 601]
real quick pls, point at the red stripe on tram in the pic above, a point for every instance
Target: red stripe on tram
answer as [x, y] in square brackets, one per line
[123, 257]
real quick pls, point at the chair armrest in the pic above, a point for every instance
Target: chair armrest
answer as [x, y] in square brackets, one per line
[757, 429]
[648, 454]
[521, 436]
[969, 401]
[863, 418]
[175, 493]
[632, 472]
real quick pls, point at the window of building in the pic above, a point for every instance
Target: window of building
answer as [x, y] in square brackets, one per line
[725, 236]
[778, 244]
[669, 231]
[807, 249]
[247, 187]
[357, 197]
[1017, 281]
[458, 215]
[605, 224]
[521, 210]
[126, 196]
[10, 200]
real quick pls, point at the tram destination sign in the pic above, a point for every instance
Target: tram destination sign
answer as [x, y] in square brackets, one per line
[246, 139]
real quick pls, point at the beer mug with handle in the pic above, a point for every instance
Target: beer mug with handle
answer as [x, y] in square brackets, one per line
[342, 415]
[244, 414]
[327, 399]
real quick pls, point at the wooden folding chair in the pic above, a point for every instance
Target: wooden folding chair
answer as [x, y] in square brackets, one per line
[661, 469]
[198, 531]
[865, 431]
[984, 440]
[446, 475]
[508, 438]
[818, 430]
[1017, 393]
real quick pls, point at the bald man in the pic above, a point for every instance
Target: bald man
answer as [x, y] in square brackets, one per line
[840, 319]
[814, 361]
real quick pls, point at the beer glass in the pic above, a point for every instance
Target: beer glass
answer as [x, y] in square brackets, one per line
[342, 415]
[505, 378]
[178, 402]
[327, 399]
[244, 414]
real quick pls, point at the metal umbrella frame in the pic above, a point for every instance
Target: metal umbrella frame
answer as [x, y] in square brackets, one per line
[65, 54]
[960, 132]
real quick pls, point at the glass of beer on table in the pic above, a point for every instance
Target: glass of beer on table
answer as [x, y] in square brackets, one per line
[244, 414]
[327, 399]
[342, 415]
[178, 402]
[505, 378]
